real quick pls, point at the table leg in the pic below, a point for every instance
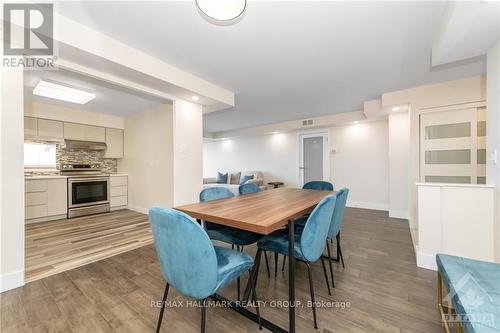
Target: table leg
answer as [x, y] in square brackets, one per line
[291, 276]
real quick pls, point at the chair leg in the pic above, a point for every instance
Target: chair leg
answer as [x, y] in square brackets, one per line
[284, 260]
[254, 296]
[326, 275]
[339, 250]
[276, 264]
[203, 315]
[267, 265]
[163, 304]
[330, 262]
[311, 289]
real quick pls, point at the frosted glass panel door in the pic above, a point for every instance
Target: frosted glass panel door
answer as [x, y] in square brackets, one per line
[452, 146]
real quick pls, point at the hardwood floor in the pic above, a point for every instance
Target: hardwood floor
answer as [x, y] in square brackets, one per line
[381, 288]
[57, 246]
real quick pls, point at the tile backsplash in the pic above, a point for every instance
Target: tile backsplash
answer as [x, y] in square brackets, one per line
[75, 156]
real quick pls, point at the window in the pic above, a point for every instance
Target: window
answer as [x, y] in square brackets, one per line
[39, 155]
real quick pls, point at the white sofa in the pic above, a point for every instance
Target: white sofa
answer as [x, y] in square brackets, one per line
[233, 180]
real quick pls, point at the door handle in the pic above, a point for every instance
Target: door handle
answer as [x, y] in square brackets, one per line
[302, 168]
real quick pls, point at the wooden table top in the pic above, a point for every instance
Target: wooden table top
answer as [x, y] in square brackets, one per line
[261, 212]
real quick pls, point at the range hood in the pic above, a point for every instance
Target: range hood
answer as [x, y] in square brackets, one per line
[84, 145]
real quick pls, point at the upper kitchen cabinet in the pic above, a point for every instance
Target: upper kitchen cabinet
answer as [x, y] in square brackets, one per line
[94, 133]
[74, 131]
[114, 141]
[84, 132]
[42, 129]
[50, 129]
[30, 127]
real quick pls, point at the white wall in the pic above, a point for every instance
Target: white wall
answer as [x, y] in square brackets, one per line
[493, 135]
[11, 180]
[56, 112]
[188, 151]
[399, 154]
[361, 162]
[148, 158]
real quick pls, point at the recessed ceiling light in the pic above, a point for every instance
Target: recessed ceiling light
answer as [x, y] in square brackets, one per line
[276, 132]
[222, 10]
[195, 98]
[62, 93]
[396, 108]
[356, 122]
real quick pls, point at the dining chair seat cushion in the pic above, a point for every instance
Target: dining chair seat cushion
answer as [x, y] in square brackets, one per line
[233, 236]
[277, 242]
[230, 265]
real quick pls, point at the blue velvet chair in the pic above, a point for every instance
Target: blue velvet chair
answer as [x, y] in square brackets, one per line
[235, 237]
[190, 262]
[318, 185]
[248, 188]
[309, 241]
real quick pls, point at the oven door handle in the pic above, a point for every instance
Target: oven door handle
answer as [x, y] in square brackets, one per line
[83, 180]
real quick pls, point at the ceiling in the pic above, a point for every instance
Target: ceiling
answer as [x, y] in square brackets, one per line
[109, 99]
[286, 60]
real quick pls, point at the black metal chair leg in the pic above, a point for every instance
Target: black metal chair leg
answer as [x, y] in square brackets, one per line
[339, 250]
[284, 260]
[330, 262]
[267, 265]
[163, 304]
[238, 286]
[203, 315]
[311, 289]
[326, 275]
[254, 297]
[276, 264]
[256, 267]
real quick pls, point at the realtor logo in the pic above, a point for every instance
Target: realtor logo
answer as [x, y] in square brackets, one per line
[28, 29]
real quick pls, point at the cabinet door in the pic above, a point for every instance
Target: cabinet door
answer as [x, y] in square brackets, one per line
[50, 129]
[30, 127]
[74, 131]
[95, 133]
[114, 141]
[57, 196]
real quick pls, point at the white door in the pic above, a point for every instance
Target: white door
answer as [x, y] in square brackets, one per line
[313, 158]
[453, 146]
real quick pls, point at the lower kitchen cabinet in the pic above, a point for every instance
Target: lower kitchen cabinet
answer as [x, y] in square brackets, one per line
[118, 192]
[45, 199]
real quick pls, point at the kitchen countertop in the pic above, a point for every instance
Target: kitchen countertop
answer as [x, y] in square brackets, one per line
[64, 177]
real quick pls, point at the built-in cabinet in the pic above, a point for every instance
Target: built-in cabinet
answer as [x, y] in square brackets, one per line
[118, 191]
[114, 141]
[54, 130]
[45, 199]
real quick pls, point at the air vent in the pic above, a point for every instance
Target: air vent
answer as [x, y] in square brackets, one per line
[307, 122]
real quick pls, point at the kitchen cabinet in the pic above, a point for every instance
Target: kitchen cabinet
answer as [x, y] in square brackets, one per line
[118, 191]
[95, 133]
[30, 127]
[74, 131]
[45, 199]
[114, 143]
[50, 129]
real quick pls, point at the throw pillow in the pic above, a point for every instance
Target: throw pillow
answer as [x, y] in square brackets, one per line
[245, 178]
[234, 178]
[221, 178]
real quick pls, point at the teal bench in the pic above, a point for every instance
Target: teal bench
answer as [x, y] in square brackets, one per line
[472, 302]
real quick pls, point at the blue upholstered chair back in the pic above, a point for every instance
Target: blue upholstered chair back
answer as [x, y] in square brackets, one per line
[312, 241]
[187, 257]
[338, 212]
[248, 188]
[318, 185]
[215, 193]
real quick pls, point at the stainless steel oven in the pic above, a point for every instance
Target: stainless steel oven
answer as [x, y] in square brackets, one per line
[88, 195]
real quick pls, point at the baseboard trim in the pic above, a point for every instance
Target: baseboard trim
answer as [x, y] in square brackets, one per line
[399, 214]
[425, 260]
[138, 209]
[368, 205]
[11, 280]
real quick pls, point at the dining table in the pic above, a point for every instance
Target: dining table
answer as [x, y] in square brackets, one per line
[261, 212]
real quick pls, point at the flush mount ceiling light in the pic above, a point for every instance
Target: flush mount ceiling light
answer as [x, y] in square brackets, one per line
[62, 93]
[221, 11]
[195, 98]
[396, 108]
